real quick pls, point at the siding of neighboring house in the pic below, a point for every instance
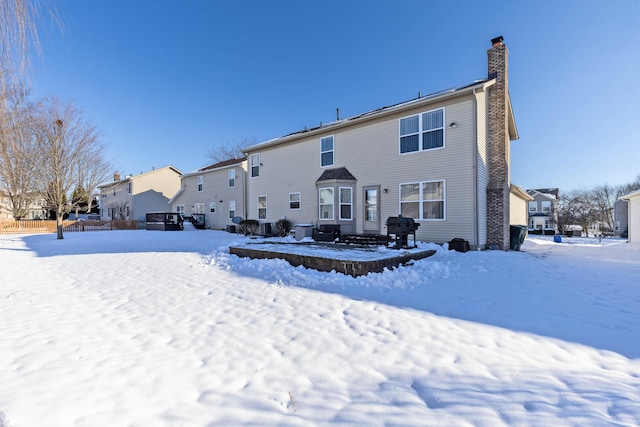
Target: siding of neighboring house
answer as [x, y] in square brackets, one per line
[518, 203]
[147, 192]
[216, 196]
[620, 217]
[634, 216]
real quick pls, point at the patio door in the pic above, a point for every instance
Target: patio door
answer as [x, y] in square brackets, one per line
[371, 202]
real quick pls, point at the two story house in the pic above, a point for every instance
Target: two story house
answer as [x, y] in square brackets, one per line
[442, 159]
[133, 196]
[216, 191]
[543, 212]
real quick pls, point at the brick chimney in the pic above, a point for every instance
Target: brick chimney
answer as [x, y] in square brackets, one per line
[498, 232]
[116, 176]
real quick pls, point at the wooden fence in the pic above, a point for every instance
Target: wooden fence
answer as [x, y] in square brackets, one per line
[48, 226]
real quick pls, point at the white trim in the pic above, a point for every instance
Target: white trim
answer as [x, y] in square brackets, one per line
[257, 165]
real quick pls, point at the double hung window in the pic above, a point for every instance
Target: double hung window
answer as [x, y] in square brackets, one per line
[326, 151]
[325, 196]
[255, 165]
[346, 203]
[423, 200]
[232, 178]
[423, 131]
[294, 201]
[262, 207]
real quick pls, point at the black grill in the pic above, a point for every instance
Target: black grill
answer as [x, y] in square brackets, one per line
[401, 227]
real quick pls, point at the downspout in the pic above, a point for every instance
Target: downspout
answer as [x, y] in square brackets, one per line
[476, 224]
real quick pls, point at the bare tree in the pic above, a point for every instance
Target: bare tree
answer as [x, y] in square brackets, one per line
[603, 197]
[18, 34]
[17, 148]
[230, 151]
[69, 152]
[119, 209]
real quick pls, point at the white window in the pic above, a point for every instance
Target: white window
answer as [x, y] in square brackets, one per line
[262, 207]
[255, 165]
[129, 185]
[533, 207]
[232, 178]
[180, 209]
[232, 208]
[198, 208]
[547, 224]
[546, 206]
[212, 206]
[294, 201]
[326, 151]
[200, 183]
[325, 198]
[423, 200]
[346, 203]
[423, 131]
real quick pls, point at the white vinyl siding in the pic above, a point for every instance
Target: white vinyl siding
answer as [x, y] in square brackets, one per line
[383, 166]
[423, 131]
[326, 151]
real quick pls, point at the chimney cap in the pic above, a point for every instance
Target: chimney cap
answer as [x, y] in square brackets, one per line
[497, 41]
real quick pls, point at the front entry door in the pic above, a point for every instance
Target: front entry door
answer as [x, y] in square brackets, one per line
[372, 209]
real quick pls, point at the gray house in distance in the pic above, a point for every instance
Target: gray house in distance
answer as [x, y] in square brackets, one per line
[441, 159]
[543, 212]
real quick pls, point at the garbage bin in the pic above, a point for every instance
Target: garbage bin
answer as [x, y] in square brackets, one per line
[303, 230]
[517, 234]
[557, 239]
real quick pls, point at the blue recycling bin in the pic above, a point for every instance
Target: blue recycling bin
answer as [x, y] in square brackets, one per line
[557, 239]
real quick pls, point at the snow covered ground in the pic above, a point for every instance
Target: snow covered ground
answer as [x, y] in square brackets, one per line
[150, 328]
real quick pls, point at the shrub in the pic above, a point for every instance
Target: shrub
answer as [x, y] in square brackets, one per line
[249, 226]
[283, 227]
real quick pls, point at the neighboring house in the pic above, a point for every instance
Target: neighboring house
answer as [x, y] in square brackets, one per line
[37, 208]
[135, 195]
[442, 159]
[519, 206]
[543, 209]
[218, 191]
[633, 199]
[620, 218]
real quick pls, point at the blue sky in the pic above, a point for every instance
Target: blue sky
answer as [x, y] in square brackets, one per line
[167, 80]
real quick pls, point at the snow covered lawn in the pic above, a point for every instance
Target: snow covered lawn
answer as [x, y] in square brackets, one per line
[144, 328]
